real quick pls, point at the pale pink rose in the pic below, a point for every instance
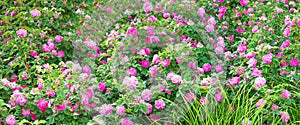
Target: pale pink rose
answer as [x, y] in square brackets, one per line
[58, 38]
[35, 13]
[22, 33]
[147, 7]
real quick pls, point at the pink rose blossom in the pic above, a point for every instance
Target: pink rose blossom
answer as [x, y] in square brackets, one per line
[286, 32]
[159, 104]
[61, 54]
[145, 63]
[126, 121]
[105, 109]
[218, 97]
[286, 94]
[190, 96]
[101, 86]
[242, 48]
[147, 94]
[22, 33]
[58, 38]
[255, 72]
[192, 65]
[35, 13]
[285, 116]
[260, 103]
[201, 12]
[10, 120]
[244, 2]
[147, 7]
[132, 31]
[131, 72]
[267, 58]
[60, 108]
[294, 62]
[274, 107]
[206, 67]
[42, 105]
[165, 63]
[209, 28]
[155, 59]
[260, 81]
[120, 110]
[25, 112]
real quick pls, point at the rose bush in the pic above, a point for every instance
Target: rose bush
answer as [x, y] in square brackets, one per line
[99, 62]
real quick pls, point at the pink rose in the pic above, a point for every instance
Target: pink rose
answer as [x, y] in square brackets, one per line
[147, 7]
[132, 31]
[58, 38]
[244, 2]
[61, 54]
[145, 63]
[22, 33]
[35, 13]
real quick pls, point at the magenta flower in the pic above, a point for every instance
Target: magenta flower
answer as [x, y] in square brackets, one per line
[147, 7]
[58, 38]
[260, 103]
[60, 108]
[204, 101]
[255, 72]
[159, 104]
[10, 120]
[165, 63]
[286, 32]
[267, 58]
[274, 107]
[244, 2]
[153, 70]
[132, 31]
[201, 12]
[286, 94]
[260, 81]
[42, 105]
[285, 44]
[131, 82]
[61, 54]
[33, 53]
[145, 63]
[86, 69]
[176, 79]
[120, 110]
[152, 18]
[56, 16]
[242, 48]
[147, 94]
[190, 96]
[22, 33]
[219, 97]
[206, 67]
[131, 72]
[126, 121]
[149, 108]
[285, 117]
[254, 29]
[35, 13]
[209, 28]
[192, 65]
[105, 109]
[101, 86]
[155, 59]
[294, 62]
[25, 112]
